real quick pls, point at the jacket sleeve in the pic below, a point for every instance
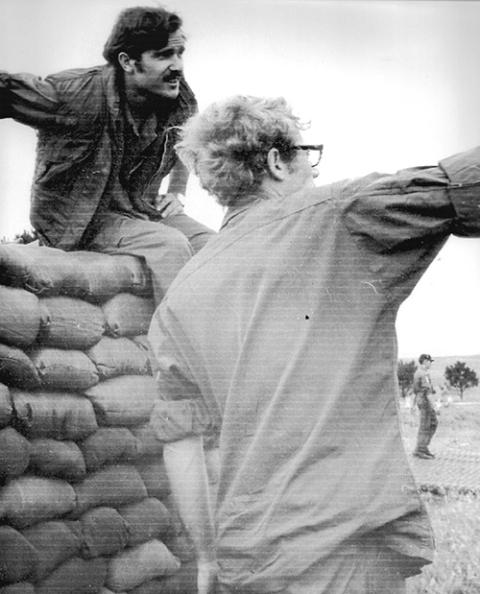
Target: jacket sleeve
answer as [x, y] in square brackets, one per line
[416, 207]
[400, 222]
[463, 173]
[30, 100]
[181, 411]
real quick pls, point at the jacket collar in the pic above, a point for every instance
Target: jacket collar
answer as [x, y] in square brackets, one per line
[112, 95]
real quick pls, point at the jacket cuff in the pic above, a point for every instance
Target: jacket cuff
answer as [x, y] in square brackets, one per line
[178, 419]
[463, 172]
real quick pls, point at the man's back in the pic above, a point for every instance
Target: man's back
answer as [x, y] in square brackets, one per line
[291, 344]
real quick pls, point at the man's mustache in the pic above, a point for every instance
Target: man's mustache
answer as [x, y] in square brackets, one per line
[173, 76]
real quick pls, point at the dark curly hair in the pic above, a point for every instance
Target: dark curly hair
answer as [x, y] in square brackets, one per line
[140, 29]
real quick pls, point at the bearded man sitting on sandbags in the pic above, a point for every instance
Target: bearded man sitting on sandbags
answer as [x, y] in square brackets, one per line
[106, 139]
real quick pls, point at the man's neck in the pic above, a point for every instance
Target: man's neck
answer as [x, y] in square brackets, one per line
[142, 105]
[271, 189]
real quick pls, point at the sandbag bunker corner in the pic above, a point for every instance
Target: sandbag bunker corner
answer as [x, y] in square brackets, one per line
[85, 504]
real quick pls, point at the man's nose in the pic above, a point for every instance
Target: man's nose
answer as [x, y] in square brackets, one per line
[177, 63]
[315, 172]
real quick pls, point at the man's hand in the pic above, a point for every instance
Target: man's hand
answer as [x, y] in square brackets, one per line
[207, 576]
[169, 204]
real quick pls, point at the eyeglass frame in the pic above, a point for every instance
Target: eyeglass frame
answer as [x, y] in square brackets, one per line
[310, 147]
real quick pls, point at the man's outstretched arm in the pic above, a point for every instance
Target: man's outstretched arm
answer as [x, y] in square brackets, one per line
[30, 100]
[187, 473]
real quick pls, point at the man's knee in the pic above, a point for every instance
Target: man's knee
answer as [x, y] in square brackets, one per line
[123, 234]
[157, 243]
[158, 235]
[196, 233]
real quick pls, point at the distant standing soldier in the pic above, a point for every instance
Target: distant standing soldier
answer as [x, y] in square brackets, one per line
[422, 388]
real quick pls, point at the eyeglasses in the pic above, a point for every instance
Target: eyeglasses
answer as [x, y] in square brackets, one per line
[314, 152]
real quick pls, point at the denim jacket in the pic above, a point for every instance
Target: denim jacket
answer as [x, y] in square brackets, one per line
[78, 117]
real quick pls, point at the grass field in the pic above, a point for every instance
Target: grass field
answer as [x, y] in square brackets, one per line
[455, 516]
[458, 426]
[456, 567]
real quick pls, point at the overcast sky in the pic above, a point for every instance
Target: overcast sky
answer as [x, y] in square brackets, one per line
[385, 84]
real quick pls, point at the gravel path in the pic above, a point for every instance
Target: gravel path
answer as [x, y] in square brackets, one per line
[456, 446]
[450, 469]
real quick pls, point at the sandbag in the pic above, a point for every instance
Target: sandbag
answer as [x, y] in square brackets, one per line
[58, 415]
[113, 486]
[20, 316]
[140, 564]
[181, 546]
[145, 520]
[63, 459]
[153, 473]
[16, 369]
[119, 356]
[41, 270]
[107, 445]
[127, 315]
[75, 576]
[20, 588]
[14, 453]
[70, 323]
[59, 369]
[17, 556]
[107, 591]
[106, 275]
[184, 581]
[123, 401]
[27, 500]
[141, 281]
[53, 543]
[51, 271]
[147, 443]
[143, 343]
[102, 532]
[5, 406]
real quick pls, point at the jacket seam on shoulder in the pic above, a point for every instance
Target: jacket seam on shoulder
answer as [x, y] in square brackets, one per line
[255, 228]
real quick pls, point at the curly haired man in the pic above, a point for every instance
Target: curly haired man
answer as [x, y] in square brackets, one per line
[291, 356]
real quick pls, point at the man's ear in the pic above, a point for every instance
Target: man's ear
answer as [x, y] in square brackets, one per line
[276, 166]
[125, 62]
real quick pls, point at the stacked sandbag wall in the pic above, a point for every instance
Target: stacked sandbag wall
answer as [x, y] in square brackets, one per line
[84, 500]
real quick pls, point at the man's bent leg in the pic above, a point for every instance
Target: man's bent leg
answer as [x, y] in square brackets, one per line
[165, 249]
[196, 233]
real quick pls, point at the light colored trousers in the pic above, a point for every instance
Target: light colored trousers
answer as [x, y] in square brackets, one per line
[166, 246]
